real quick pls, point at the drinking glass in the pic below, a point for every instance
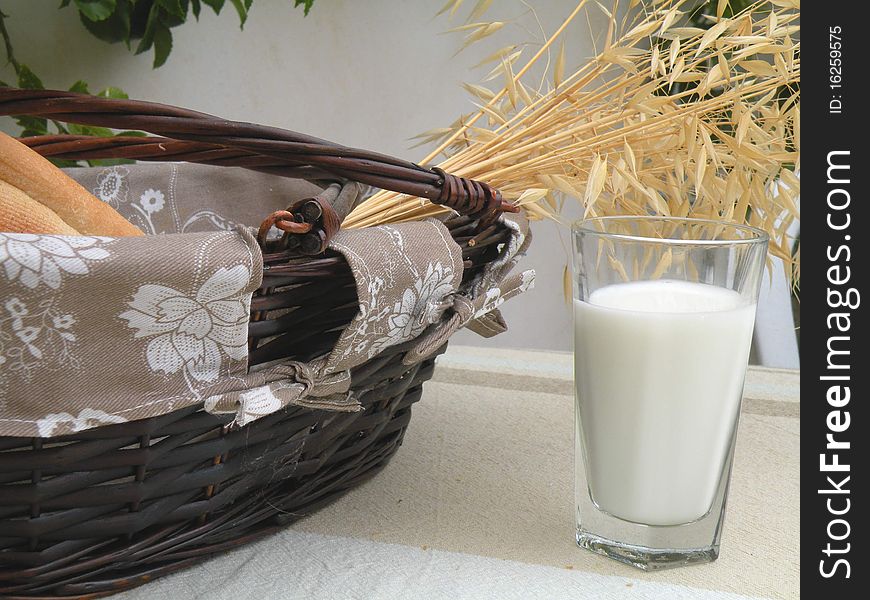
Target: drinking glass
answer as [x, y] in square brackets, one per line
[663, 315]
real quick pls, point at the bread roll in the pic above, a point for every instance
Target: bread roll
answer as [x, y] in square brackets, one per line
[19, 213]
[54, 189]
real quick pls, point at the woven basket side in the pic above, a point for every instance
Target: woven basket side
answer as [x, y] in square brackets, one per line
[92, 513]
[117, 506]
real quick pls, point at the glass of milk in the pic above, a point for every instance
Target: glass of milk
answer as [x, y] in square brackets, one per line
[663, 316]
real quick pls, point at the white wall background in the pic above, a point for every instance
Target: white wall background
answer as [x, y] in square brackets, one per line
[370, 74]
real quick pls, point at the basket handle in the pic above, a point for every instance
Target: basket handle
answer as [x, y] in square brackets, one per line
[200, 137]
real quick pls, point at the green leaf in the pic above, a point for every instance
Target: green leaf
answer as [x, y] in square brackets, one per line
[242, 9]
[140, 12]
[29, 133]
[32, 125]
[131, 134]
[162, 44]
[96, 10]
[216, 5]
[152, 23]
[64, 3]
[27, 79]
[196, 8]
[91, 130]
[63, 163]
[173, 12]
[80, 86]
[113, 92]
[61, 128]
[145, 43]
[115, 28]
[109, 162]
[307, 4]
[174, 8]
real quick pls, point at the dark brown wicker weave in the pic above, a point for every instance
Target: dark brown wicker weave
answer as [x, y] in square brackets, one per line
[89, 514]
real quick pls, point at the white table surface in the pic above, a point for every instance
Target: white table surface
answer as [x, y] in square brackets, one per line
[477, 504]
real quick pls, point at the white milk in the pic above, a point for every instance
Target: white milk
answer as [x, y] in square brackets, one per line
[659, 368]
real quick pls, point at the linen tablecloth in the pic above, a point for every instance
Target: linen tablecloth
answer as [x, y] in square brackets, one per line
[478, 504]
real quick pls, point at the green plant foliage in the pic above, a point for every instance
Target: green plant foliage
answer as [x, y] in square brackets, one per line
[32, 126]
[146, 22]
[306, 4]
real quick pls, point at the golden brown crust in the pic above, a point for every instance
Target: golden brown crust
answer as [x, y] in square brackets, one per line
[19, 213]
[43, 182]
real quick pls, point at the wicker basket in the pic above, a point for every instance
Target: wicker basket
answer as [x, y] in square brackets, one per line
[92, 513]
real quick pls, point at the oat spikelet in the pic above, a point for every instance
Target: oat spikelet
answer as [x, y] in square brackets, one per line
[665, 119]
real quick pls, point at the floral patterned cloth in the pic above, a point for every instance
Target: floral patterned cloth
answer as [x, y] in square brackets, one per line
[96, 331]
[477, 307]
[426, 264]
[186, 198]
[405, 275]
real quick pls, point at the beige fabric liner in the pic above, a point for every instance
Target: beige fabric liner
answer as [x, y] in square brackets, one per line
[96, 331]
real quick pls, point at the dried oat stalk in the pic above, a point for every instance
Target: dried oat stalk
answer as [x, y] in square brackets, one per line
[666, 119]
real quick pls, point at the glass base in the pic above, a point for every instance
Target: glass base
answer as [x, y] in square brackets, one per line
[646, 559]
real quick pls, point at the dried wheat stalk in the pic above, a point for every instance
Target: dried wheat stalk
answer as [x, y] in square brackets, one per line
[619, 135]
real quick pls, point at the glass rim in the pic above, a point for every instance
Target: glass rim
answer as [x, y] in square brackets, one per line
[756, 235]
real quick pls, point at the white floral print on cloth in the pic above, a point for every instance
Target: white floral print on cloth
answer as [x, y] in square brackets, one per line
[194, 330]
[102, 331]
[416, 310]
[155, 208]
[496, 295]
[35, 260]
[112, 186]
[34, 332]
[405, 275]
[477, 306]
[402, 286]
[187, 198]
[121, 329]
[498, 283]
[86, 419]
[152, 201]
